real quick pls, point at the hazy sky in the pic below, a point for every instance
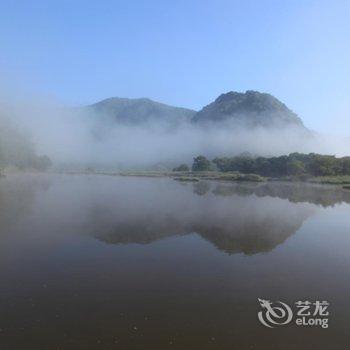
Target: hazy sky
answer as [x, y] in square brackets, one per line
[183, 52]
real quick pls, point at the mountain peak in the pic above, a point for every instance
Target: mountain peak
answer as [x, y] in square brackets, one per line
[251, 108]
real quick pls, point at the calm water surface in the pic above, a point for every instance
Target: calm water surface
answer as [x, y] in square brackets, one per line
[97, 262]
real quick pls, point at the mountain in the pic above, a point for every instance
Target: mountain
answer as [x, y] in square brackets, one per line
[251, 109]
[139, 111]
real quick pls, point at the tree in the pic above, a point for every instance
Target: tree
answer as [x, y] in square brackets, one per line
[295, 167]
[323, 165]
[346, 165]
[182, 167]
[223, 164]
[201, 163]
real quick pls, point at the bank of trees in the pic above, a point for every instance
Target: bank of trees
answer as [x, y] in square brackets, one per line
[294, 164]
[16, 150]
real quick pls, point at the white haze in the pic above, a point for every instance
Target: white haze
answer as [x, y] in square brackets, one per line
[68, 137]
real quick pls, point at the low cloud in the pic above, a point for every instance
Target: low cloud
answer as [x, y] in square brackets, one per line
[73, 138]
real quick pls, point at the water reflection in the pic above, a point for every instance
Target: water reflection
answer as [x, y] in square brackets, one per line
[73, 277]
[17, 196]
[232, 217]
[324, 195]
[236, 218]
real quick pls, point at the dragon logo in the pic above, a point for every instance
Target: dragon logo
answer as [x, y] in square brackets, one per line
[274, 314]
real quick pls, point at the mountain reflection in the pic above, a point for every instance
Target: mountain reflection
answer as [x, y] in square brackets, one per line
[235, 219]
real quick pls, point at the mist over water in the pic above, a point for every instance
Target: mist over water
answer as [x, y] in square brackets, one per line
[73, 137]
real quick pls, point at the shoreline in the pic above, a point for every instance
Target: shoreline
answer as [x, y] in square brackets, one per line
[341, 181]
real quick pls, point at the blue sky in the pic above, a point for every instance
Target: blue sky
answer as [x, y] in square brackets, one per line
[183, 53]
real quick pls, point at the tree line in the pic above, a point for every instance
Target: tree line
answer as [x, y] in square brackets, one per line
[294, 164]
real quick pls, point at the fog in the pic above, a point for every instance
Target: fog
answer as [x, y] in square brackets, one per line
[73, 138]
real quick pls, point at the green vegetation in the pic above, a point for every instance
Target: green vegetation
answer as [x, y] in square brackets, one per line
[251, 177]
[295, 164]
[201, 163]
[17, 151]
[251, 109]
[182, 167]
[314, 168]
[138, 111]
[186, 179]
[197, 175]
[332, 180]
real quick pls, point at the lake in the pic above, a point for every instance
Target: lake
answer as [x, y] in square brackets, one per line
[103, 262]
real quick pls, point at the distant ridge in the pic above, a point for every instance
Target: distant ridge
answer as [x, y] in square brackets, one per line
[139, 111]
